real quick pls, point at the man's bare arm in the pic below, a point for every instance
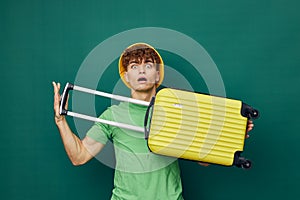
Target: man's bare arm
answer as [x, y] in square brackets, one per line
[79, 151]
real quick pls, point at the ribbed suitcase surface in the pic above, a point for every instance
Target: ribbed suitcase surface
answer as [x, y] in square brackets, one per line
[196, 126]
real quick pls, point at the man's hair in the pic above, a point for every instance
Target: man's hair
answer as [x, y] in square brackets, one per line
[140, 52]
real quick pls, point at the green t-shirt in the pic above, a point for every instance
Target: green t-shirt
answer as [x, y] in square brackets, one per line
[139, 174]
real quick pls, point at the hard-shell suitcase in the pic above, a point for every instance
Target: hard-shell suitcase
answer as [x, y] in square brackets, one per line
[198, 127]
[185, 124]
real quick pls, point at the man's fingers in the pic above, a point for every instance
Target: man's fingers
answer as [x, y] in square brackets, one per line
[57, 99]
[56, 87]
[250, 126]
[67, 102]
[56, 92]
[203, 164]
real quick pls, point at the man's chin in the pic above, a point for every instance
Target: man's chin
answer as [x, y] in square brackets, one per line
[144, 88]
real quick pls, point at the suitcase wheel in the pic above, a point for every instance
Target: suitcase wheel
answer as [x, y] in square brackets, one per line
[242, 162]
[254, 113]
[249, 112]
[246, 164]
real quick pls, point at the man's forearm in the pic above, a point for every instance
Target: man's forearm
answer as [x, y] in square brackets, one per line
[73, 145]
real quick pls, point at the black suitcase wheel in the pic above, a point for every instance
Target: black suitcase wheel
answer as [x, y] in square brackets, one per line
[246, 164]
[249, 112]
[254, 114]
[241, 161]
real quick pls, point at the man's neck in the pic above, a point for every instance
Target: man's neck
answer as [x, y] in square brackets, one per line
[143, 95]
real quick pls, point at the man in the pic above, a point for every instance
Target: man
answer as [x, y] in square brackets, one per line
[139, 174]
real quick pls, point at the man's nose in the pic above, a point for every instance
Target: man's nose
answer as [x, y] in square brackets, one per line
[142, 69]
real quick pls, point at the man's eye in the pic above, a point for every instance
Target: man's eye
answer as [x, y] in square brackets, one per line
[148, 66]
[134, 67]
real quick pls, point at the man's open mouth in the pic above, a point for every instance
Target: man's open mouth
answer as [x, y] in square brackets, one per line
[142, 79]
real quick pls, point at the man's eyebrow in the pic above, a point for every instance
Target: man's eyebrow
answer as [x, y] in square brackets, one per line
[149, 60]
[133, 61]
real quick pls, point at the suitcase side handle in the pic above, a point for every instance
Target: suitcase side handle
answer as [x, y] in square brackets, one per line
[147, 120]
[64, 97]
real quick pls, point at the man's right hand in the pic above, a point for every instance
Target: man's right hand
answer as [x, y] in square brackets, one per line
[58, 118]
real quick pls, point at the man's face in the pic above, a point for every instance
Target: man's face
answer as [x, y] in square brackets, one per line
[142, 74]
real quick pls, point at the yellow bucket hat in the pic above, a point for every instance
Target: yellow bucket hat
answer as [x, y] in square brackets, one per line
[122, 68]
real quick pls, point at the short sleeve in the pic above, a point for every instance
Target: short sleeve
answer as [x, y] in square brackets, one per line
[99, 131]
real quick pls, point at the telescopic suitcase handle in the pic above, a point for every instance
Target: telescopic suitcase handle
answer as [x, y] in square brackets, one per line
[64, 98]
[146, 120]
[64, 111]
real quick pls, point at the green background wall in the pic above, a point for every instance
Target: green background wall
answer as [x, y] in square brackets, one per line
[255, 45]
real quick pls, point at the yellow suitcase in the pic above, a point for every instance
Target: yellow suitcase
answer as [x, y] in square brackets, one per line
[198, 127]
[185, 124]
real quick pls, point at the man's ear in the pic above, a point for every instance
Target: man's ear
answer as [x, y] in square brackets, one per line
[126, 77]
[157, 77]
